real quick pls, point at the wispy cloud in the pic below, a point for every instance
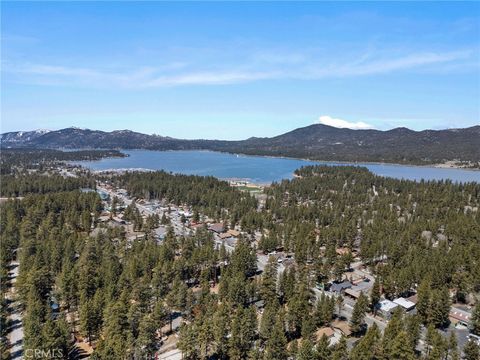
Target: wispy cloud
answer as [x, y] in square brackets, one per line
[210, 78]
[340, 123]
[257, 68]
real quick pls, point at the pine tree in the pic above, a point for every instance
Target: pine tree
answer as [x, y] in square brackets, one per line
[423, 300]
[308, 328]
[436, 346]
[368, 348]
[439, 307]
[114, 205]
[324, 310]
[204, 337]
[339, 302]
[453, 347]
[242, 333]
[268, 320]
[412, 326]
[340, 351]
[276, 347]
[306, 351]
[401, 349]
[187, 342]
[147, 337]
[268, 289]
[471, 351]
[220, 330]
[375, 296]
[293, 349]
[323, 350]
[55, 335]
[393, 329]
[358, 314]
[475, 320]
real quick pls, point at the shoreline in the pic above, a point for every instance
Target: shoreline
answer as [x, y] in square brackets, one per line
[446, 165]
[230, 180]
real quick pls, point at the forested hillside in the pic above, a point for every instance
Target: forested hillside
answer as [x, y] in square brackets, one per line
[39, 159]
[319, 142]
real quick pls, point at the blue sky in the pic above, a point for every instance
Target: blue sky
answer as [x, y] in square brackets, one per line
[234, 70]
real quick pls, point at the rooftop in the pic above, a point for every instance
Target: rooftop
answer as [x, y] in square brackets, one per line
[459, 314]
[217, 227]
[404, 303]
[387, 305]
[233, 232]
[327, 331]
[338, 287]
[343, 326]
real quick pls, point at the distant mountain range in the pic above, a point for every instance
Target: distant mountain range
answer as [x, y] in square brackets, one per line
[318, 142]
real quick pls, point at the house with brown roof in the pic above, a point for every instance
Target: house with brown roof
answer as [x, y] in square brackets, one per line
[224, 235]
[342, 326]
[217, 228]
[457, 315]
[327, 331]
[234, 233]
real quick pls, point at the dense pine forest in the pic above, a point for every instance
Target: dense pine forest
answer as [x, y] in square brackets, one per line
[206, 194]
[122, 296]
[12, 160]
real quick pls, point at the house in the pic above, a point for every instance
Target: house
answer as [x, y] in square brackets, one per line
[103, 195]
[340, 287]
[119, 220]
[353, 293]
[225, 235]
[404, 303]
[231, 242]
[104, 218]
[356, 278]
[386, 307]
[413, 299]
[234, 233]
[342, 326]
[364, 286]
[160, 232]
[134, 236]
[327, 331]
[217, 228]
[457, 315]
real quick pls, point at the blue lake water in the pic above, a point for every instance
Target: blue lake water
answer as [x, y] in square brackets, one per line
[257, 169]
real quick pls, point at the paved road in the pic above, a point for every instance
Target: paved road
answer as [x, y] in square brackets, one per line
[15, 332]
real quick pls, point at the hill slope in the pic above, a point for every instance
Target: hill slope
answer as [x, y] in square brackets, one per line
[317, 141]
[398, 145]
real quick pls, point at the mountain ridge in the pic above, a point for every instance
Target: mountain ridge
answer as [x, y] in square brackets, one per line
[316, 142]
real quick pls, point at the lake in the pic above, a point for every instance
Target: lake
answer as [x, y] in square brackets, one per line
[257, 169]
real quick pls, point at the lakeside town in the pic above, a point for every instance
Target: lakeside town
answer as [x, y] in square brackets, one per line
[240, 180]
[355, 282]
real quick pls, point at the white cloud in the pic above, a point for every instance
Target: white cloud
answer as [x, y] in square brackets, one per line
[294, 67]
[209, 78]
[339, 123]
